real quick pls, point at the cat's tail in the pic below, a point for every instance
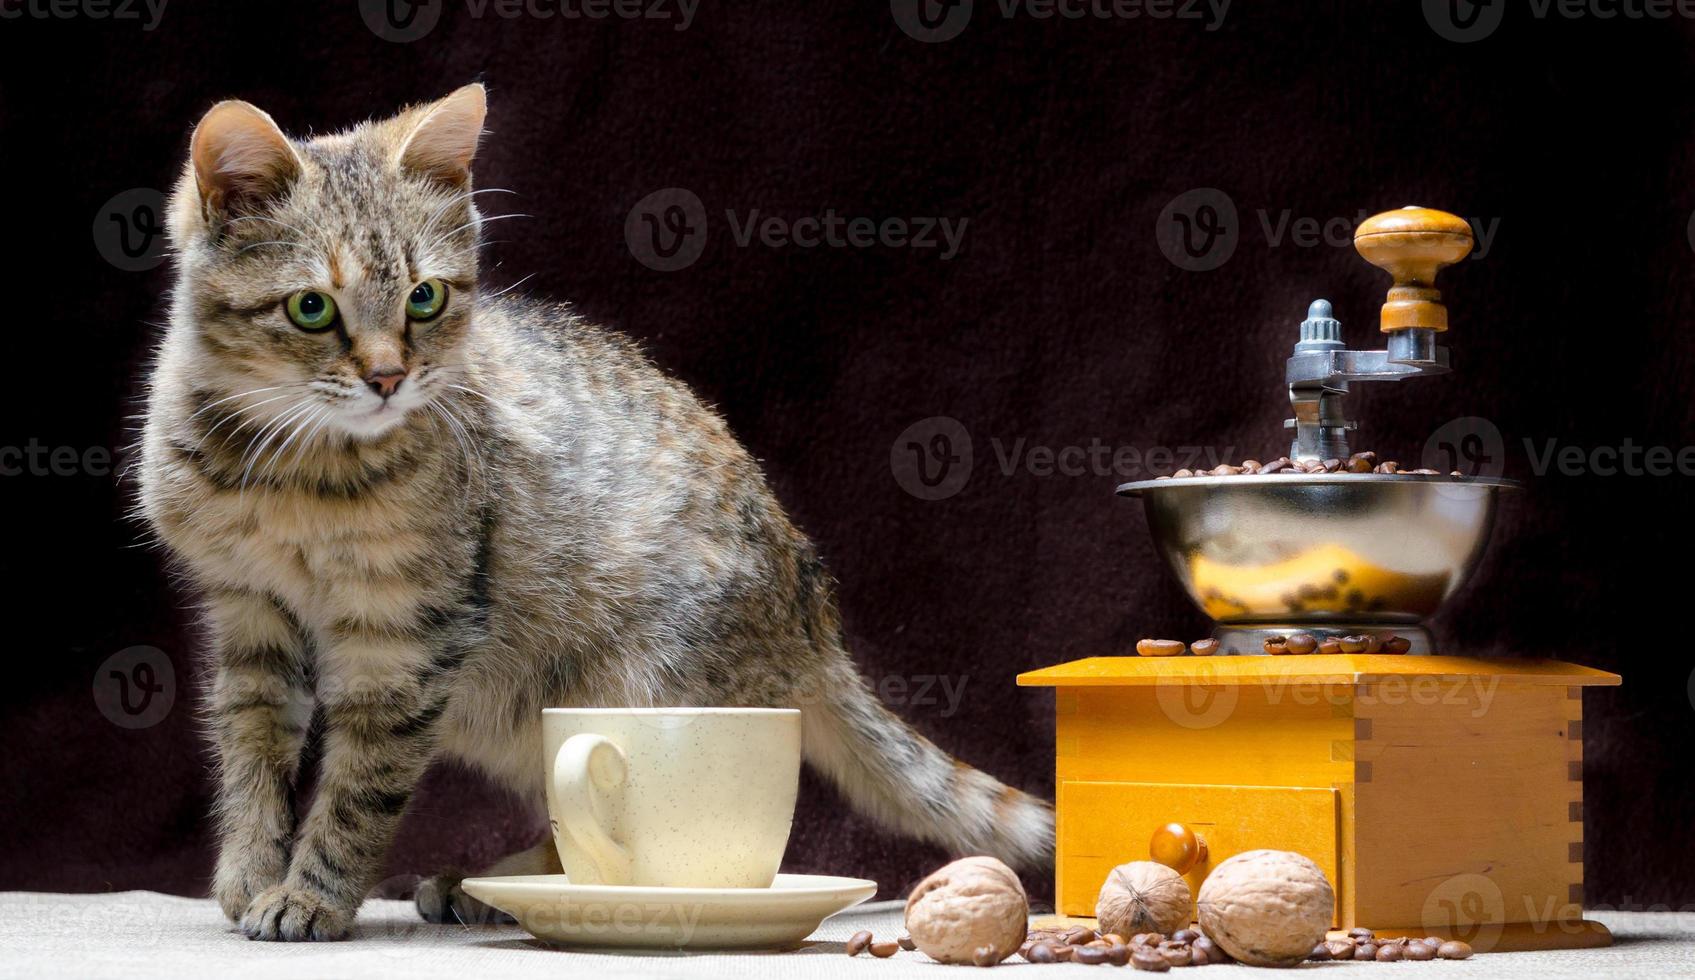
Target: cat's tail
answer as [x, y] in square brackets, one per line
[901, 779]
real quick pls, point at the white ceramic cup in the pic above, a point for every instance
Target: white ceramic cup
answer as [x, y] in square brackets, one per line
[671, 797]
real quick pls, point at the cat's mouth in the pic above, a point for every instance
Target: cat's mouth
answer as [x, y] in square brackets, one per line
[367, 421]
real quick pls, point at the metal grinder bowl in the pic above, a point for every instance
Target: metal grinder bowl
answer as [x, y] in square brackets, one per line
[1331, 554]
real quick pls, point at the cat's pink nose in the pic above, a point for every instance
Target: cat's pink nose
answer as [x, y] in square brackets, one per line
[386, 380]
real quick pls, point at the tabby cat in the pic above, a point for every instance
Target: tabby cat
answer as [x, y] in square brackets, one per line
[425, 513]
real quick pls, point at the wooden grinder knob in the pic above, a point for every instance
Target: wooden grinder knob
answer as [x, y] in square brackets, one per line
[1177, 847]
[1412, 245]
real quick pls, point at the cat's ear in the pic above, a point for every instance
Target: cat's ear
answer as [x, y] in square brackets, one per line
[443, 141]
[240, 158]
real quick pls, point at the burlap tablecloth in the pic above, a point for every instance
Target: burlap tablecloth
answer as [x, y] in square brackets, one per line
[141, 935]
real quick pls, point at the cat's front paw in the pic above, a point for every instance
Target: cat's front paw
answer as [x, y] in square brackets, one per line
[441, 900]
[241, 876]
[293, 914]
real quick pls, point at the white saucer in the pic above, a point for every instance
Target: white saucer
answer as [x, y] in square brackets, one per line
[555, 911]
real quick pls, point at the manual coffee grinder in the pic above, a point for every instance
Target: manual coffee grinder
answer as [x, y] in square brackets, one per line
[1441, 794]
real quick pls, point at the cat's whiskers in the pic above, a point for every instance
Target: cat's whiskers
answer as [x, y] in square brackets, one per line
[244, 414]
[274, 428]
[242, 394]
[315, 415]
[481, 220]
[455, 199]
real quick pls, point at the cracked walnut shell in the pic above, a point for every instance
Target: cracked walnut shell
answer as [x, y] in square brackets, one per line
[1143, 897]
[1266, 908]
[974, 902]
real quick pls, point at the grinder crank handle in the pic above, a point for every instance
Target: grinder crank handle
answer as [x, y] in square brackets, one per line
[1412, 245]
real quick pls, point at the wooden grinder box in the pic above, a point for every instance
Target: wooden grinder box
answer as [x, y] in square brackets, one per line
[1441, 795]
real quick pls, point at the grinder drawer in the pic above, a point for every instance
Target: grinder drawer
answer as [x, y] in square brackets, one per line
[1105, 824]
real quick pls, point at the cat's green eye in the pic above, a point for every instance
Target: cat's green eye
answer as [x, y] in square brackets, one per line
[311, 310]
[427, 299]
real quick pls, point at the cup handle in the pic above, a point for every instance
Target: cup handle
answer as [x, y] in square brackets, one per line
[587, 768]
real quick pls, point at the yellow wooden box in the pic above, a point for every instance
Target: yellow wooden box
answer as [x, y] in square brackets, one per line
[1441, 795]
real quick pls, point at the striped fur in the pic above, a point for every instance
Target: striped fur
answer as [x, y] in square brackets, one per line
[539, 518]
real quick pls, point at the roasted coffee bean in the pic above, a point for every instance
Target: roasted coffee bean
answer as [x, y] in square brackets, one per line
[1389, 953]
[906, 943]
[1207, 946]
[1418, 949]
[1331, 465]
[1204, 648]
[1063, 952]
[1373, 642]
[1118, 954]
[1365, 951]
[1176, 954]
[1340, 949]
[1319, 953]
[1329, 645]
[1077, 935]
[1433, 941]
[1185, 935]
[1113, 937]
[1387, 467]
[1147, 939]
[1159, 648]
[1367, 455]
[1252, 466]
[984, 956]
[1148, 958]
[1199, 957]
[858, 941]
[1089, 955]
[885, 949]
[1041, 953]
[1397, 644]
[1276, 645]
[1357, 464]
[1302, 643]
[1454, 950]
[1353, 644]
[1225, 469]
[1275, 466]
[1180, 474]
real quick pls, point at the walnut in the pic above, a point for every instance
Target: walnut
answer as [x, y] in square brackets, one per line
[971, 903]
[1143, 897]
[1266, 908]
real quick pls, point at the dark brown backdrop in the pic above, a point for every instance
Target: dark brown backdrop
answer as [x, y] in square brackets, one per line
[1060, 322]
